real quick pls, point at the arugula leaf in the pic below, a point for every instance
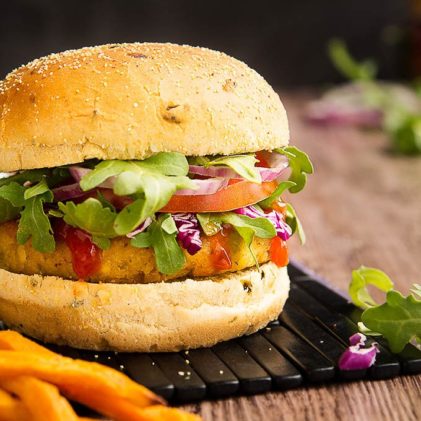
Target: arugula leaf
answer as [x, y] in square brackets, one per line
[168, 163]
[300, 165]
[345, 63]
[295, 224]
[246, 227]
[152, 182]
[142, 240]
[284, 185]
[416, 289]
[7, 211]
[398, 320]
[243, 165]
[36, 190]
[34, 223]
[367, 276]
[13, 193]
[92, 217]
[161, 236]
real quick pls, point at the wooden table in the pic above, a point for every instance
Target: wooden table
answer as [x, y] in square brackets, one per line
[362, 206]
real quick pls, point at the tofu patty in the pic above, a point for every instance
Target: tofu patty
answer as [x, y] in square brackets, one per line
[122, 263]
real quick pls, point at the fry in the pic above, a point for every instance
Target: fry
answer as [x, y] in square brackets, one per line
[163, 413]
[14, 341]
[43, 400]
[101, 388]
[11, 409]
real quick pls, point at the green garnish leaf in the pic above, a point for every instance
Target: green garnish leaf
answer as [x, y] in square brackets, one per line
[92, 217]
[36, 190]
[141, 240]
[102, 242]
[363, 277]
[293, 221]
[246, 227]
[14, 193]
[7, 211]
[398, 320]
[34, 224]
[161, 236]
[243, 165]
[268, 202]
[416, 289]
[345, 63]
[300, 165]
[151, 182]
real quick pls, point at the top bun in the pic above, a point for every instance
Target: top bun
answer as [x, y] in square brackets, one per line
[129, 101]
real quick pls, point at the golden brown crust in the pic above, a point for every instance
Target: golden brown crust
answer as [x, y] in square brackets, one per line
[123, 263]
[128, 101]
[143, 317]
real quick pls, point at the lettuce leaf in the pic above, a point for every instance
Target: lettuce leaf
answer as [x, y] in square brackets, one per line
[398, 319]
[363, 277]
[300, 165]
[161, 236]
[243, 165]
[34, 223]
[151, 182]
[295, 224]
[92, 217]
[246, 227]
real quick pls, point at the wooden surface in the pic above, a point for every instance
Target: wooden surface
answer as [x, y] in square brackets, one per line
[362, 206]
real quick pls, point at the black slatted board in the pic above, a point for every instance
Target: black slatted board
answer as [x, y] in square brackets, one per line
[299, 349]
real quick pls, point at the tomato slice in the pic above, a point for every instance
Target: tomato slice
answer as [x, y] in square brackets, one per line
[278, 252]
[234, 196]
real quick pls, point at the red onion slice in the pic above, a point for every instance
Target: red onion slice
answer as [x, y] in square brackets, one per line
[357, 358]
[204, 187]
[78, 172]
[67, 192]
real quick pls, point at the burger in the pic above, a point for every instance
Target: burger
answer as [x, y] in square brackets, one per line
[141, 198]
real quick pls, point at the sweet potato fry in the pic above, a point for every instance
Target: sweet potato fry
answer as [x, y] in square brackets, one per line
[42, 400]
[14, 341]
[101, 388]
[12, 409]
[163, 413]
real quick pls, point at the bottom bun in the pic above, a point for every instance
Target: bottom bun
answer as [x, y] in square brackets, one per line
[167, 316]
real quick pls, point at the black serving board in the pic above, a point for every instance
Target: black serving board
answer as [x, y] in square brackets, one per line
[299, 349]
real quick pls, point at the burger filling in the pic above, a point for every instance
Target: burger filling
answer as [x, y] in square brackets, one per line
[161, 218]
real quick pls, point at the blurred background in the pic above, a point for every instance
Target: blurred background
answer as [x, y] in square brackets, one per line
[284, 40]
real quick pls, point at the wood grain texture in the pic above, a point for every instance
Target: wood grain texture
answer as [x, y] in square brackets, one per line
[362, 206]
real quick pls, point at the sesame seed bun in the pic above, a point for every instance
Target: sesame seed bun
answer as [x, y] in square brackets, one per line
[143, 317]
[129, 101]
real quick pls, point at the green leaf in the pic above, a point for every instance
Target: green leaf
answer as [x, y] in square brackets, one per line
[268, 202]
[34, 224]
[169, 256]
[32, 176]
[210, 225]
[102, 171]
[346, 65]
[167, 163]
[398, 320]
[7, 211]
[38, 189]
[246, 227]
[293, 221]
[367, 276]
[243, 165]
[141, 240]
[151, 182]
[91, 217]
[102, 242]
[13, 193]
[300, 165]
